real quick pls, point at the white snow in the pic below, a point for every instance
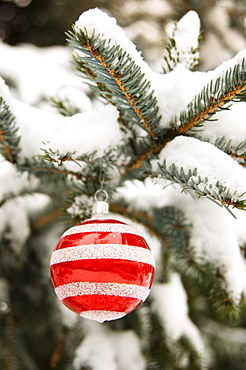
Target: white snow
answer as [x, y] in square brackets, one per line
[175, 90]
[87, 132]
[230, 124]
[15, 182]
[35, 127]
[15, 212]
[106, 28]
[72, 97]
[103, 349]
[5, 93]
[170, 302]
[211, 163]
[39, 73]
[15, 218]
[214, 240]
[187, 32]
[186, 35]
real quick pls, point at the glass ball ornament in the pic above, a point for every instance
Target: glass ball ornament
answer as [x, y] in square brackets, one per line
[102, 269]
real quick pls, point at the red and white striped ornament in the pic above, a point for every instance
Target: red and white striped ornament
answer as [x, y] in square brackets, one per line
[102, 269]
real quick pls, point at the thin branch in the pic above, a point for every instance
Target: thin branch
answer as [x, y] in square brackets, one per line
[9, 140]
[59, 350]
[117, 78]
[8, 154]
[116, 75]
[211, 109]
[44, 220]
[155, 149]
[58, 171]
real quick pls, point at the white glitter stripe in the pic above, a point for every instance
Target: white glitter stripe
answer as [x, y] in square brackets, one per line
[115, 289]
[102, 316]
[112, 228]
[99, 251]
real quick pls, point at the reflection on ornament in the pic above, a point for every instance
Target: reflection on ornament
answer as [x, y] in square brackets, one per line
[102, 269]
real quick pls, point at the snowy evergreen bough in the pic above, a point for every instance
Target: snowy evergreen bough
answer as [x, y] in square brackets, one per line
[169, 148]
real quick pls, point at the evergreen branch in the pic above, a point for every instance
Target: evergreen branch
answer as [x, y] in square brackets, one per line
[59, 350]
[109, 158]
[119, 80]
[55, 171]
[42, 168]
[211, 100]
[172, 225]
[46, 219]
[9, 140]
[214, 97]
[64, 108]
[162, 352]
[174, 56]
[237, 152]
[150, 149]
[159, 355]
[175, 230]
[213, 282]
[196, 361]
[191, 180]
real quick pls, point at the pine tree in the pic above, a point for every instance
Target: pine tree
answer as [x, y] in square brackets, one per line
[169, 149]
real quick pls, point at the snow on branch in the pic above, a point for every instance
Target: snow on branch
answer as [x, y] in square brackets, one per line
[9, 139]
[169, 301]
[104, 349]
[183, 45]
[84, 133]
[202, 167]
[110, 60]
[229, 86]
[19, 201]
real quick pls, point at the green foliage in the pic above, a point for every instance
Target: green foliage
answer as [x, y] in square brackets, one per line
[191, 180]
[174, 56]
[117, 78]
[236, 151]
[64, 108]
[9, 139]
[215, 96]
[160, 351]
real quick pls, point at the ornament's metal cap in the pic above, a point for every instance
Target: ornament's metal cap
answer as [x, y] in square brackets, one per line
[100, 208]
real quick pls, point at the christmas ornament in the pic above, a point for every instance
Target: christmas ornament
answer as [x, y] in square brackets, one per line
[102, 268]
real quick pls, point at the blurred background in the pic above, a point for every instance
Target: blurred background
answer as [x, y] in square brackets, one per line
[147, 22]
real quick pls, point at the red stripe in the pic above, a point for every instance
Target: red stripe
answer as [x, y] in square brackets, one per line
[101, 302]
[102, 271]
[101, 238]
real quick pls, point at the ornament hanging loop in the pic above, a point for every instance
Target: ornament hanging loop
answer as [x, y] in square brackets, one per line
[101, 193]
[100, 207]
